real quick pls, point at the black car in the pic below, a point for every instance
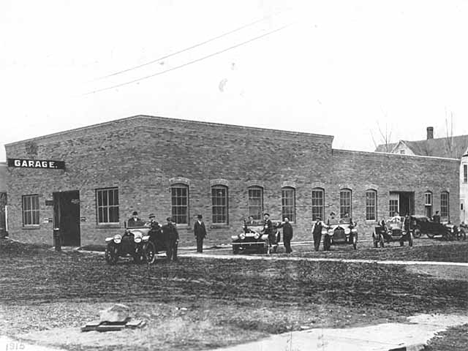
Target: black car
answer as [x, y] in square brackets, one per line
[251, 239]
[392, 231]
[421, 225]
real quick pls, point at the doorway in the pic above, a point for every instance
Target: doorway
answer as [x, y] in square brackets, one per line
[401, 202]
[67, 216]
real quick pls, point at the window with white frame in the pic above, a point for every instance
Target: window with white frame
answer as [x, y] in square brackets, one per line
[180, 203]
[288, 203]
[256, 202]
[393, 204]
[428, 203]
[444, 206]
[219, 204]
[30, 210]
[107, 201]
[371, 205]
[318, 203]
[345, 203]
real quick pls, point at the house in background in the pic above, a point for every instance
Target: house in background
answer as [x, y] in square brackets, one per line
[448, 147]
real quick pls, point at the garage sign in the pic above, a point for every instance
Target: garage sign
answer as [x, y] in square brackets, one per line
[45, 164]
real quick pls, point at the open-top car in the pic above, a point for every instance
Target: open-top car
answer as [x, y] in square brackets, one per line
[252, 238]
[423, 225]
[139, 242]
[344, 231]
[392, 231]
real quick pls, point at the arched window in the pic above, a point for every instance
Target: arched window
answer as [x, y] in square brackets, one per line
[318, 203]
[219, 204]
[256, 202]
[180, 203]
[345, 203]
[288, 203]
[371, 205]
[444, 206]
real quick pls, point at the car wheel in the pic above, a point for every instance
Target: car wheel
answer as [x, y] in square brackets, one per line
[235, 249]
[462, 234]
[430, 235]
[410, 239]
[417, 233]
[376, 241]
[382, 242]
[355, 242]
[402, 242]
[111, 253]
[139, 255]
[149, 252]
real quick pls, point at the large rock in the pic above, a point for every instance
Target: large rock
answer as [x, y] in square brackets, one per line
[116, 313]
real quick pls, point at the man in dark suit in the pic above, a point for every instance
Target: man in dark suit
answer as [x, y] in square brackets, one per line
[287, 235]
[199, 231]
[171, 238]
[134, 221]
[436, 217]
[317, 232]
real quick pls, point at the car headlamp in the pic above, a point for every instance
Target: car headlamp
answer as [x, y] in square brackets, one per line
[242, 236]
[117, 238]
[257, 235]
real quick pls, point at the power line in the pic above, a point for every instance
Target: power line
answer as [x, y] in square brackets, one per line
[190, 62]
[187, 49]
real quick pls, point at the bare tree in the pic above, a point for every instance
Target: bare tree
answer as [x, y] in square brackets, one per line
[449, 147]
[384, 138]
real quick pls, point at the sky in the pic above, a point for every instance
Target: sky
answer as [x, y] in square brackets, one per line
[358, 70]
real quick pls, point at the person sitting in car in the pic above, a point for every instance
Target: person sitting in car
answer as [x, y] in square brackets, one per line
[134, 221]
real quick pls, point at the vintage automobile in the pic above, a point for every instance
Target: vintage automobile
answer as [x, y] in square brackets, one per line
[136, 242]
[392, 231]
[423, 225]
[251, 239]
[343, 232]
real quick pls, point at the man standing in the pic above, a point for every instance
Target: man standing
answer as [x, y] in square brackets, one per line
[199, 231]
[436, 217]
[171, 239]
[268, 230]
[287, 234]
[317, 232]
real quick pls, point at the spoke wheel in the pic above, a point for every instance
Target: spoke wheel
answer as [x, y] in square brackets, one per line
[149, 251]
[417, 233]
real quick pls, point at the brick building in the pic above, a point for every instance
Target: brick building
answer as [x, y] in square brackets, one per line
[87, 181]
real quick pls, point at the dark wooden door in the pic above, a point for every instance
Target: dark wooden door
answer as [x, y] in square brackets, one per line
[67, 217]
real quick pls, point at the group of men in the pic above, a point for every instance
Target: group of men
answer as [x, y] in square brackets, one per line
[168, 233]
[270, 230]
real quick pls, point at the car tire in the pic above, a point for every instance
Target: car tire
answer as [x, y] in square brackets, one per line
[326, 243]
[402, 242]
[354, 240]
[382, 242]
[417, 233]
[149, 252]
[462, 234]
[410, 240]
[376, 241]
[235, 249]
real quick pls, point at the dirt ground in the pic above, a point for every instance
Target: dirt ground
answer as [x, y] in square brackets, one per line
[47, 296]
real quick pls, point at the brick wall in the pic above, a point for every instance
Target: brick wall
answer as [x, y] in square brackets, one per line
[142, 156]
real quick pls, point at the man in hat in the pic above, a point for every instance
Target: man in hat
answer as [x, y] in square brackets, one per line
[287, 234]
[171, 239]
[268, 229]
[155, 231]
[199, 231]
[317, 232]
[134, 221]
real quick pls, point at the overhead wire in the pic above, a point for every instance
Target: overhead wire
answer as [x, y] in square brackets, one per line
[190, 62]
[190, 47]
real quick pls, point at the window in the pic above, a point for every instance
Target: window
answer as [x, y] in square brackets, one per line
[219, 204]
[30, 210]
[393, 204]
[345, 203]
[318, 204]
[444, 206]
[288, 203]
[428, 203]
[256, 202]
[371, 205]
[107, 205]
[465, 173]
[180, 200]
